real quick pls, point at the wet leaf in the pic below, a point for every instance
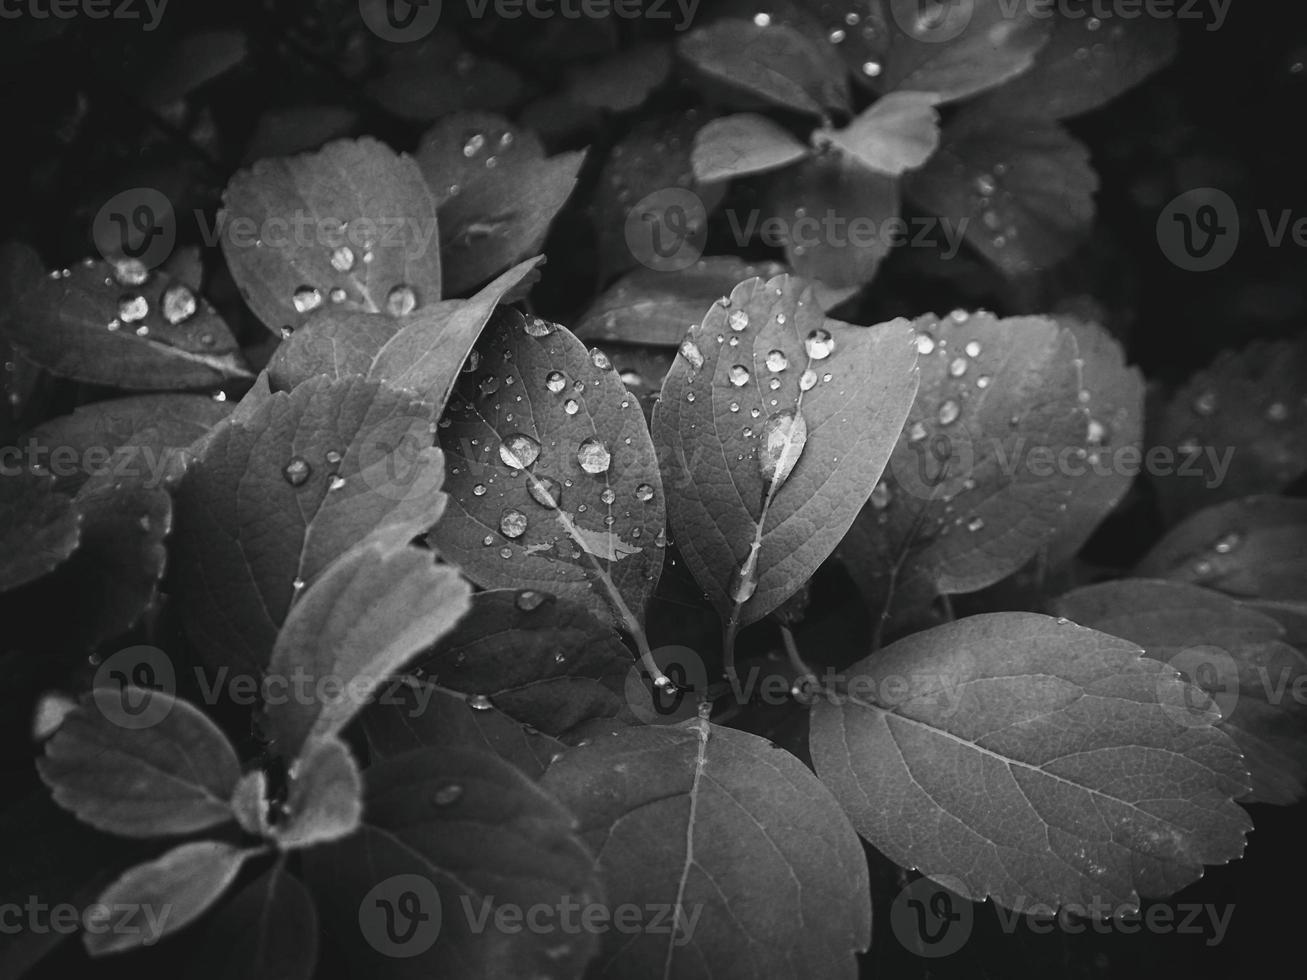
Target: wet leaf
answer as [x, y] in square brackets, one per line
[552, 478]
[957, 749]
[39, 529]
[268, 931]
[735, 838]
[899, 132]
[743, 144]
[727, 428]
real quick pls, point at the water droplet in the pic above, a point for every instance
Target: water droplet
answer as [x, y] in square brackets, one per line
[762, 20]
[488, 540]
[738, 319]
[949, 412]
[734, 406]
[178, 303]
[986, 185]
[479, 702]
[836, 36]
[631, 379]
[297, 584]
[555, 381]
[297, 471]
[479, 490]
[983, 381]
[739, 375]
[690, 351]
[916, 432]
[808, 380]
[342, 258]
[925, 343]
[571, 406]
[881, 496]
[474, 144]
[519, 451]
[142, 331]
[132, 308]
[819, 344]
[957, 367]
[599, 359]
[488, 385]
[975, 524]
[447, 794]
[335, 483]
[512, 523]
[644, 492]
[333, 457]
[593, 456]
[1277, 412]
[959, 316]
[401, 301]
[546, 492]
[130, 272]
[783, 437]
[689, 396]
[529, 600]
[536, 327]
[337, 294]
[1205, 404]
[871, 69]
[608, 496]
[777, 361]
[1227, 544]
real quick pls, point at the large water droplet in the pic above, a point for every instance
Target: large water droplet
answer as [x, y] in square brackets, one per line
[783, 437]
[808, 380]
[342, 258]
[132, 308]
[555, 381]
[609, 495]
[297, 471]
[777, 361]
[690, 351]
[949, 412]
[130, 272]
[973, 348]
[512, 523]
[519, 451]
[178, 303]
[307, 299]
[599, 359]
[925, 343]
[739, 375]
[644, 492]
[738, 319]
[571, 406]
[401, 300]
[819, 344]
[536, 327]
[593, 456]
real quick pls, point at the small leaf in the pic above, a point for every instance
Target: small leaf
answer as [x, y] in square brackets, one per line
[438, 76]
[899, 132]
[268, 931]
[125, 327]
[1034, 762]
[1233, 653]
[750, 494]
[279, 495]
[553, 481]
[463, 832]
[174, 776]
[623, 81]
[39, 529]
[774, 63]
[496, 192]
[325, 802]
[1023, 188]
[177, 888]
[743, 144]
[371, 611]
[759, 872]
[352, 225]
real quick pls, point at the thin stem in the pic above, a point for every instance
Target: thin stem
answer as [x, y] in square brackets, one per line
[792, 652]
[946, 601]
[729, 629]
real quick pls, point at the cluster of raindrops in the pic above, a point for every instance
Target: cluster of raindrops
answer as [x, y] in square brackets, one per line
[987, 188]
[475, 145]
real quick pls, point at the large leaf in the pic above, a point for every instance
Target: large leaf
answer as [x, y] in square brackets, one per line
[370, 612]
[268, 931]
[353, 224]
[1233, 653]
[123, 326]
[775, 423]
[980, 479]
[553, 481]
[172, 776]
[449, 837]
[496, 193]
[1034, 762]
[282, 493]
[899, 132]
[39, 528]
[743, 144]
[757, 869]
[1024, 188]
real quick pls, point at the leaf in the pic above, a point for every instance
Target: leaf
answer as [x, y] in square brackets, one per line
[623, 81]
[731, 415]
[177, 888]
[174, 775]
[142, 438]
[297, 233]
[743, 144]
[259, 513]
[733, 837]
[899, 132]
[125, 327]
[456, 835]
[189, 63]
[1233, 653]
[1085, 66]
[656, 308]
[438, 76]
[835, 218]
[325, 802]
[1023, 188]
[496, 193]
[540, 420]
[774, 63]
[545, 662]
[1238, 428]
[268, 931]
[1028, 760]
[39, 529]
[371, 611]
[954, 50]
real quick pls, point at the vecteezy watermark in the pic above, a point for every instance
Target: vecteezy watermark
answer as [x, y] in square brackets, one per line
[941, 21]
[151, 467]
[138, 223]
[666, 230]
[406, 21]
[63, 918]
[402, 917]
[1200, 230]
[149, 12]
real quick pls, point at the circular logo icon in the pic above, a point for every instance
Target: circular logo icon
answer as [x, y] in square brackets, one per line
[400, 916]
[932, 21]
[669, 704]
[138, 224]
[400, 21]
[399, 460]
[1212, 677]
[932, 462]
[1199, 230]
[666, 230]
[135, 687]
[931, 917]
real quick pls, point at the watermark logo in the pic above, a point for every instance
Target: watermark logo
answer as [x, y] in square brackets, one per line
[1199, 230]
[929, 464]
[138, 223]
[400, 917]
[931, 918]
[36, 917]
[1213, 681]
[136, 677]
[666, 230]
[668, 705]
[148, 12]
[399, 460]
[400, 21]
[933, 21]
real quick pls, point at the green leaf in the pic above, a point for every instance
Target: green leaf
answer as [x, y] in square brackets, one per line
[1024, 188]
[496, 193]
[899, 132]
[656, 308]
[1233, 653]
[775, 63]
[732, 836]
[172, 892]
[730, 415]
[836, 217]
[981, 477]
[539, 422]
[174, 775]
[281, 494]
[125, 327]
[325, 801]
[743, 144]
[451, 836]
[298, 231]
[954, 50]
[39, 529]
[1237, 428]
[371, 611]
[438, 76]
[1029, 760]
[267, 931]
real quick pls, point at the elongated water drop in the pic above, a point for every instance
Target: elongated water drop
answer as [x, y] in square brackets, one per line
[808, 380]
[949, 412]
[528, 600]
[783, 437]
[690, 351]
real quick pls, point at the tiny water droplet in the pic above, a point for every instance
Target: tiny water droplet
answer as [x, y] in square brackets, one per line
[1227, 544]
[777, 361]
[571, 406]
[881, 496]
[1277, 412]
[479, 702]
[975, 524]
[474, 144]
[337, 294]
